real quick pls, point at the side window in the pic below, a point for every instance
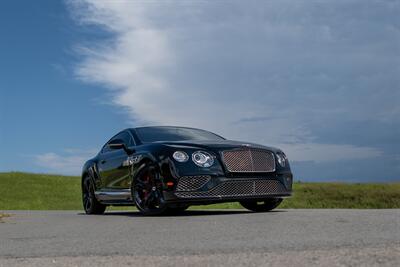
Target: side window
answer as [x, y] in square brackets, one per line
[105, 148]
[124, 136]
[127, 138]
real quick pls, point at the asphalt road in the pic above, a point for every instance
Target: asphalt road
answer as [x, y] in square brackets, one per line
[198, 238]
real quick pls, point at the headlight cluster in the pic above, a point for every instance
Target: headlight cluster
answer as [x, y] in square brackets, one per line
[200, 158]
[281, 157]
[180, 156]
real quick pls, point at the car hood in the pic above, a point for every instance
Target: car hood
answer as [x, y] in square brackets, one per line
[216, 144]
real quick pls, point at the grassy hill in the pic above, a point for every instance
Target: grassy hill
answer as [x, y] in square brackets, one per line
[26, 191]
[54, 192]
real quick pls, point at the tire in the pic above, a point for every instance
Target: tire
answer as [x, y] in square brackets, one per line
[147, 192]
[261, 206]
[90, 204]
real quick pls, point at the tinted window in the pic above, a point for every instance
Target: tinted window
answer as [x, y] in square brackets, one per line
[154, 134]
[124, 136]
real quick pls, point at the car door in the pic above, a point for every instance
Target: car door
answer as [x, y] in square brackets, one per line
[114, 168]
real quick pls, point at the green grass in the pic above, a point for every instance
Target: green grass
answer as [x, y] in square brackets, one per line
[25, 191]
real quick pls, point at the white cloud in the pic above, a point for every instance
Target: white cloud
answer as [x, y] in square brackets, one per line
[269, 72]
[70, 162]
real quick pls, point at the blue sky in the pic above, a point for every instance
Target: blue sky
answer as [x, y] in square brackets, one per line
[318, 79]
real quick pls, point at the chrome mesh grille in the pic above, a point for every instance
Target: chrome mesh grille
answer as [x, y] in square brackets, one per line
[249, 160]
[191, 183]
[268, 186]
[240, 188]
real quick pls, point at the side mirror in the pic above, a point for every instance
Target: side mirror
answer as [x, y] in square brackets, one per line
[116, 146]
[119, 144]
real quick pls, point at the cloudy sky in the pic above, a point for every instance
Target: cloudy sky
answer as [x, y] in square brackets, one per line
[319, 79]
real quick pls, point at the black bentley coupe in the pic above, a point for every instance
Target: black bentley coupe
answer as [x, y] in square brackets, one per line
[167, 169]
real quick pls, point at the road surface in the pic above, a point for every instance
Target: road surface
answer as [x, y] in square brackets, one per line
[198, 238]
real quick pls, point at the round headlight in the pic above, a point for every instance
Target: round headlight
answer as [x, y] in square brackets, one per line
[281, 157]
[180, 156]
[202, 159]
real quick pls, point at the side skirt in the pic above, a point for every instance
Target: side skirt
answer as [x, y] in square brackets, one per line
[123, 195]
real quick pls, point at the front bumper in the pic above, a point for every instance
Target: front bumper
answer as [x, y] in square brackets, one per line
[207, 188]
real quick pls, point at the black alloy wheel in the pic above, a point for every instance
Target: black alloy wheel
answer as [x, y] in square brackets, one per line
[261, 206]
[148, 192]
[90, 204]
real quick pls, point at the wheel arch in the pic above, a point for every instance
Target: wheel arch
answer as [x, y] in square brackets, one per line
[89, 170]
[145, 161]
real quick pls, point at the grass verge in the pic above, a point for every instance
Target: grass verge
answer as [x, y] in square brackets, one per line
[26, 191]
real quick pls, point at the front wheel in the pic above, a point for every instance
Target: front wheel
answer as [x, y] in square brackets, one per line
[261, 206]
[90, 204]
[147, 192]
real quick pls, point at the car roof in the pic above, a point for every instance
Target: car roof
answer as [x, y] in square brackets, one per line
[166, 126]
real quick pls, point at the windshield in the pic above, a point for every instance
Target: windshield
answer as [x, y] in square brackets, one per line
[154, 134]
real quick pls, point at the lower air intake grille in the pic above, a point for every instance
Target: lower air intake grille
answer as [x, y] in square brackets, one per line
[240, 188]
[192, 183]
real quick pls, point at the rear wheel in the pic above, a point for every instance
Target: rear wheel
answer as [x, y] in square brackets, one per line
[147, 192]
[90, 204]
[261, 206]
